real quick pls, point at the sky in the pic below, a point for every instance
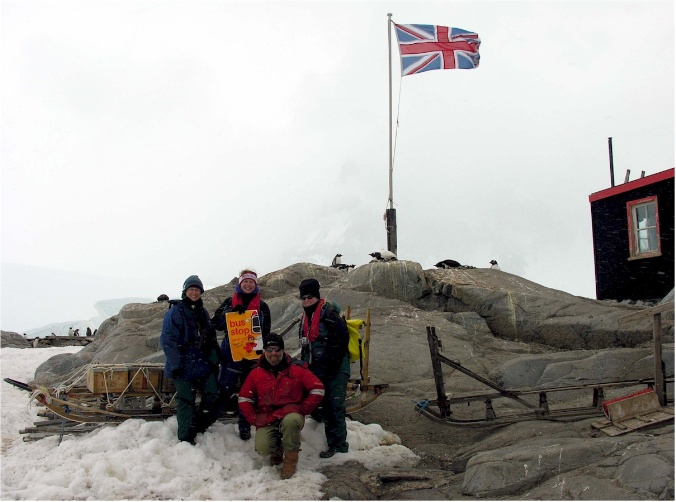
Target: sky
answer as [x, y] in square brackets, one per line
[144, 141]
[141, 460]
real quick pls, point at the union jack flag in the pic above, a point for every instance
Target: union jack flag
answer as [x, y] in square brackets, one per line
[425, 47]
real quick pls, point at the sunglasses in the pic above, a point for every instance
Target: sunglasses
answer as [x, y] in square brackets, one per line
[306, 297]
[270, 350]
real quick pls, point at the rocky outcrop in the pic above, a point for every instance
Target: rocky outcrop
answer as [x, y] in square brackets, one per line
[514, 332]
[13, 340]
[517, 309]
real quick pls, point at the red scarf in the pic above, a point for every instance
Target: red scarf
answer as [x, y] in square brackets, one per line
[313, 332]
[254, 304]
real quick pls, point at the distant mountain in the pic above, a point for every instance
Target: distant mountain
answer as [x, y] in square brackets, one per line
[105, 309]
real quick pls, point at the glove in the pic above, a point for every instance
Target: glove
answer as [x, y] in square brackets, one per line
[217, 315]
[262, 420]
[285, 410]
[176, 373]
[240, 309]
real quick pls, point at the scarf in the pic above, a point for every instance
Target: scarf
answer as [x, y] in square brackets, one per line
[312, 332]
[197, 308]
[254, 299]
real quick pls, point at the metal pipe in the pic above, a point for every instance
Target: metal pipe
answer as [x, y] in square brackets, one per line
[612, 167]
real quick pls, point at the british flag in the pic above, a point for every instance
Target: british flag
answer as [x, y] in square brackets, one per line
[425, 47]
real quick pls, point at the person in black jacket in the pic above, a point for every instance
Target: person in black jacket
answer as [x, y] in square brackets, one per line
[233, 373]
[324, 339]
[191, 350]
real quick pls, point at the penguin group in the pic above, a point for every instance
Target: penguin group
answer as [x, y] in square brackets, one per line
[385, 255]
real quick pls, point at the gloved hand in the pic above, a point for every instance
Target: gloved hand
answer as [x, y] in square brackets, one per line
[240, 309]
[285, 410]
[262, 420]
[218, 314]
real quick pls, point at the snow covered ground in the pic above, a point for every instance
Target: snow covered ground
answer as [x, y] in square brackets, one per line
[141, 460]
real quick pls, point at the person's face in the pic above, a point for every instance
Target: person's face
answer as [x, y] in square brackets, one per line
[248, 285]
[193, 293]
[274, 355]
[308, 301]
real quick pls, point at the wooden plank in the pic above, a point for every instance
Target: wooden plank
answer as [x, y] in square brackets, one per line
[643, 314]
[635, 423]
[634, 406]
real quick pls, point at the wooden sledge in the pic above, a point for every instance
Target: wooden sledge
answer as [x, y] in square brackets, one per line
[112, 393]
[536, 401]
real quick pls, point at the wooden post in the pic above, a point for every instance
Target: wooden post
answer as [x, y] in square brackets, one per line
[442, 402]
[365, 351]
[660, 389]
[656, 313]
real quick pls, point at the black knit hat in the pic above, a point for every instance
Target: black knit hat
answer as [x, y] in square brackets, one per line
[273, 340]
[191, 281]
[309, 287]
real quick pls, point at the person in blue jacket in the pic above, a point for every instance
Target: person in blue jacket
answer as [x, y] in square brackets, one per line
[191, 350]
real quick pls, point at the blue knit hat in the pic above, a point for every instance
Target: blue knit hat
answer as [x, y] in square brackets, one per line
[191, 281]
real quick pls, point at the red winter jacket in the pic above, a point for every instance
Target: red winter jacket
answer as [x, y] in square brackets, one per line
[264, 399]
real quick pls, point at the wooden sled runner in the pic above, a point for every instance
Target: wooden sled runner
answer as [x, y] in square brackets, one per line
[458, 410]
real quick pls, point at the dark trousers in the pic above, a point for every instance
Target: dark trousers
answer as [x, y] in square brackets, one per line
[230, 380]
[193, 419]
[332, 413]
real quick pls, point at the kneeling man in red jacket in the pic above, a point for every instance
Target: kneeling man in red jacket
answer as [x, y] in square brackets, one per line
[275, 398]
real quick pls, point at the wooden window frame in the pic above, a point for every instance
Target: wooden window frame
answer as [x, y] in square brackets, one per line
[634, 253]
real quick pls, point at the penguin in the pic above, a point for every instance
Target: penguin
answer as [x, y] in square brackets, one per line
[448, 264]
[337, 260]
[383, 255]
[494, 265]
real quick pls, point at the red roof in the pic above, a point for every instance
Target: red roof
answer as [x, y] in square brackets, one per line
[631, 185]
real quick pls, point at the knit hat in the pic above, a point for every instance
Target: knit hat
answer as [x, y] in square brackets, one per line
[273, 340]
[309, 287]
[193, 280]
[248, 275]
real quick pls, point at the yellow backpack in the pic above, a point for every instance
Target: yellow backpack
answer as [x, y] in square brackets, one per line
[354, 345]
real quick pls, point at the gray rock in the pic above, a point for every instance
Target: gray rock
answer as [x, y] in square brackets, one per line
[507, 329]
[13, 340]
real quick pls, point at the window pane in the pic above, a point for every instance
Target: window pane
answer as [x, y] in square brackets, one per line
[641, 217]
[652, 234]
[650, 209]
[643, 244]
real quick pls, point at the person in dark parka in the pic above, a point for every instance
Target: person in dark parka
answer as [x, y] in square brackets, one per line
[191, 350]
[233, 373]
[324, 339]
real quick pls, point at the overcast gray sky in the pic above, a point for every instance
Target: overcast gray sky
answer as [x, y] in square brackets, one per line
[145, 141]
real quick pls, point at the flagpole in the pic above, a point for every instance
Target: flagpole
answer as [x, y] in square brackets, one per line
[390, 212]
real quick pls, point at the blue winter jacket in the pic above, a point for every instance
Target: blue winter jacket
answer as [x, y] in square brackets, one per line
[180, 340]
